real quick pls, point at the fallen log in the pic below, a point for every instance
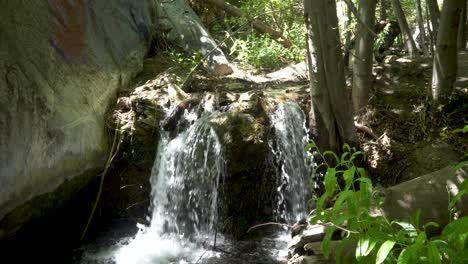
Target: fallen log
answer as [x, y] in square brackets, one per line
[256, 24]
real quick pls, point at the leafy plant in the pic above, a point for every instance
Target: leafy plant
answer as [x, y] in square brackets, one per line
[187, 60]
[378, 240]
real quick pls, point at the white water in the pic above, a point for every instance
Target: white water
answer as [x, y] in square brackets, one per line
[287, 145]
[185, 180]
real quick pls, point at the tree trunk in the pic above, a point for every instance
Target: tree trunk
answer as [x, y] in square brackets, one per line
[444, 70]
[422, 31]
[362, 69]
[179, 25]
[434, 14]
[331, 115]
[409, 42]
[430, 30]
[462, 29]
[256, 24]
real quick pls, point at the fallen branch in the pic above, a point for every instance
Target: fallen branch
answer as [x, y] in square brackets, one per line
[367, 130]
[269, 223]
[112, 155]
[256, 24]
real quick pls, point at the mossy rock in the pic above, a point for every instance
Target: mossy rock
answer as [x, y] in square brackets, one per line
[246, 195]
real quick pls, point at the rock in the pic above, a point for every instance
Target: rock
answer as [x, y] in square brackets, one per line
[427, 193]
[310, 234]
[247, 193]
[59, 73]
[390, 59]
[308, 260]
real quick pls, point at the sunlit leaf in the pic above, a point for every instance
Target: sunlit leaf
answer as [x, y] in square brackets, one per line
[384, 250]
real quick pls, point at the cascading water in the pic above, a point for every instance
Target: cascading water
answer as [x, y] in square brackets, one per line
[287, 145]
[185, 179]
[186, 175]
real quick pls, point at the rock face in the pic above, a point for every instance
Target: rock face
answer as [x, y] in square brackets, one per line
[61, 63]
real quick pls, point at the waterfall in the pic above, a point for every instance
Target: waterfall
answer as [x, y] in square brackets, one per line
[287, 145]
[184, 179]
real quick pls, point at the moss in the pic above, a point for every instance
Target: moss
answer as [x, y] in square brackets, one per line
[246, 195]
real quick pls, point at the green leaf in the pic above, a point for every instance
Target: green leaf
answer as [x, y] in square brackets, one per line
[341, 246]
[456, 233]
[416, 218]
[462, 130]
[326, 242]
[365, 186]
[433, 254]
[330, 181]
[329, 152]
[434, 224]
[343, 196]
[406, 255]
[348, 176]
[458, 166]
[456, 198]
[343, 157]
[384, 250]
[365, 245]
[310, 146]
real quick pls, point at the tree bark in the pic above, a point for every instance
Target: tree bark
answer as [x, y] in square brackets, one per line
[256, 24]
[434, 13]
[331, 115]
[444, 70]
[362, 69]
[409, 42]
[462, 29]
[430, 30]
[422, 31]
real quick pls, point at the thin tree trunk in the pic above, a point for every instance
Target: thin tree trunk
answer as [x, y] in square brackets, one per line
[430, 30]
[256, 24]
[331, 112]
[444, 70]
[400, 15]
[422, 31]
[462, 30]
[362, 69]
[434, 13]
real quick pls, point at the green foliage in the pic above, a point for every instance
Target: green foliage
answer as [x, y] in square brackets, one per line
[188, 60]
[378, 240]
[380, 39]
[261, 51]
[250, 48]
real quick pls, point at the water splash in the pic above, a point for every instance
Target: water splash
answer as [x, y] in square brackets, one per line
[287, 145]
[185, 180]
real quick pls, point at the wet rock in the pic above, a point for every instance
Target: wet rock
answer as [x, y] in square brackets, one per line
[310, 234]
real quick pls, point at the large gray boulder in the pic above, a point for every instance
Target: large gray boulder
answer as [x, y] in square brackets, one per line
[61, 64]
